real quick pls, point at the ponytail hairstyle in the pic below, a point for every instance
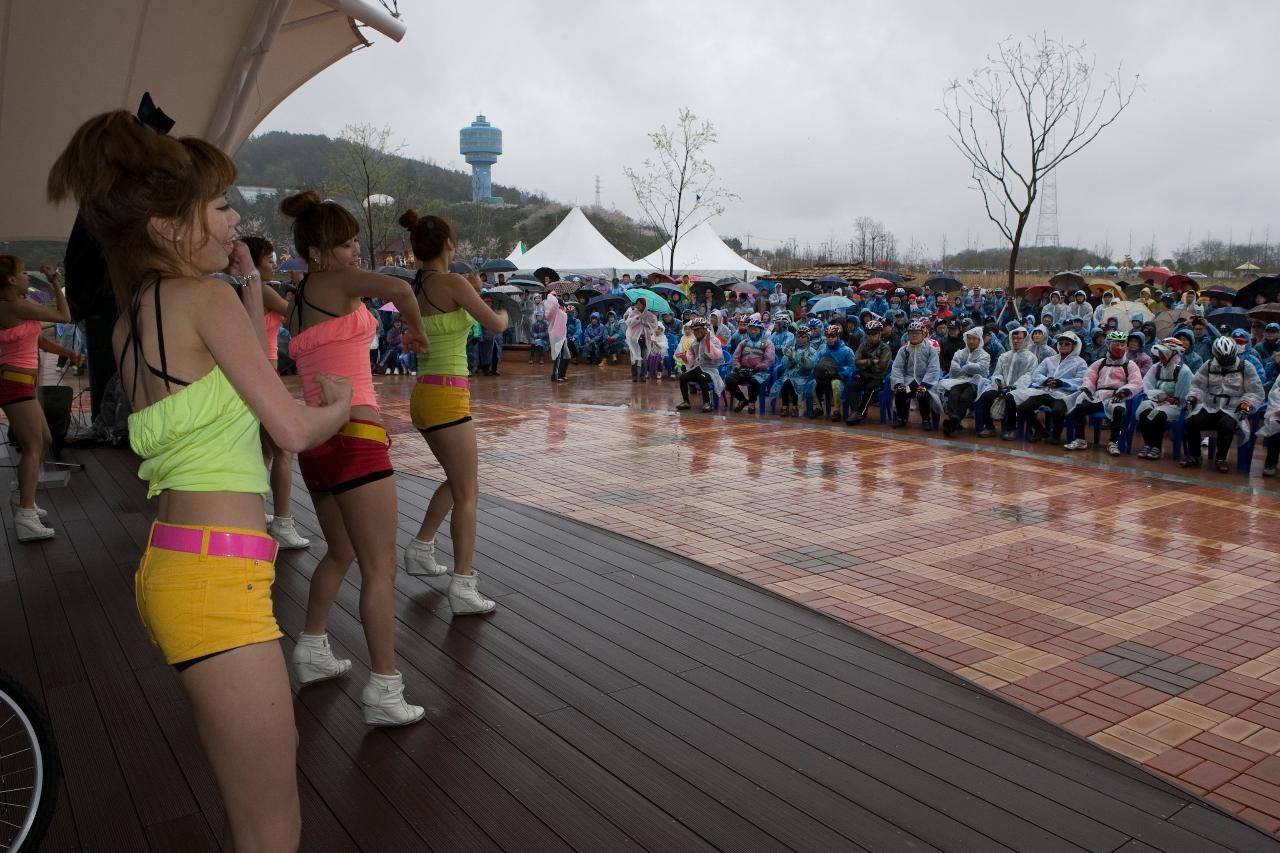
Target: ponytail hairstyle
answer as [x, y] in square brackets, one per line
[125, 175]
[259, 248]
[318, 226]
[427, 234]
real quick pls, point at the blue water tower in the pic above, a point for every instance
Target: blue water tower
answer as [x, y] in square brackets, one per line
[481, 144]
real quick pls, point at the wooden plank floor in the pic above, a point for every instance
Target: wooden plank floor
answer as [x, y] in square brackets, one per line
[621, 698]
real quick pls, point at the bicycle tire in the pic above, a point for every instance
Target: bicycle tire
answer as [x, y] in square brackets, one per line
[20, 712]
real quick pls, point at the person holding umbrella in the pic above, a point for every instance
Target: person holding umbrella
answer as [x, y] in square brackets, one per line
[558, 335]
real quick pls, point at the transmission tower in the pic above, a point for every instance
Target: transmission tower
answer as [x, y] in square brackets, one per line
[597, 190]
[1047, 224]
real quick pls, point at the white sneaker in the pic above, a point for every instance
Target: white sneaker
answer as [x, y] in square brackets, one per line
[465, 599]
[27, 524]
[420, 559]
[1076, 444]
[286, 535]
[1114, 448]
[383, 701]
[14, 498]
[313, 660]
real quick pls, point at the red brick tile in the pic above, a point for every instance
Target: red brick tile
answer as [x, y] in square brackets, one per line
[1175, 762]
[1110, 714]
[1230, 703]
[1061, 714]
[1086, 724]
[1266, 800]
[1265, 822]
[1208, 774]
[1196, 747]
[1268, 769]
[1203, 693]
[1063, 691]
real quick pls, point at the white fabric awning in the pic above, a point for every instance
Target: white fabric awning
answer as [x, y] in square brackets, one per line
[217, 67]
[576, 246]
[701, 252]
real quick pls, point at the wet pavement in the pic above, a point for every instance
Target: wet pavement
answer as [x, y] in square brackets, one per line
[1136, 607]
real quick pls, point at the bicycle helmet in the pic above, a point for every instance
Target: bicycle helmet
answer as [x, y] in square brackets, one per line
[834, 329]
[756, 324]
[782, 317]
[916, 326]
[874, 326]
[1116, 337]
[699, 323]
[1224, 350]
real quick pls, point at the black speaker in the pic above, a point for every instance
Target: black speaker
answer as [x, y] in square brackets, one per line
[56, 401]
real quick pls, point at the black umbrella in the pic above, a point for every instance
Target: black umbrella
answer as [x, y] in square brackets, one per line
[606, 302]
[945, 283]
[461, 268]
[729, 282]
[1219, 291]
[1068, 281]
[542, 273]
[1268, 286]
[525, 282]
[892, 276]
[399, 272]
[1226, 319]
[1267, 312]
[833, 280]
[499, 265]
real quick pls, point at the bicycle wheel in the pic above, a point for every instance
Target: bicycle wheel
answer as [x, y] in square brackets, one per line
[29, 768]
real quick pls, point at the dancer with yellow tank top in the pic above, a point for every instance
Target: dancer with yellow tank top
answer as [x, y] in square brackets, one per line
[157, 207]
[441, 407]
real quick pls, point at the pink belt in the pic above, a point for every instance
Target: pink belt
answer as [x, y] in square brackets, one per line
[219, 543]
[437, 379]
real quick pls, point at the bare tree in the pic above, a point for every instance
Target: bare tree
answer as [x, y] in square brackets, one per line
[367, 172]
[1032, 108]
[677, 188]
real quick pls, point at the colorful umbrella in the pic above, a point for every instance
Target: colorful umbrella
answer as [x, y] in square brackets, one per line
[656, 303]
[1032, 291]
[660, 278]
[1124, 312]
[563, 286]
[873, 284]
[389, 307]
[1179, 283]
[799, 298]
[1098, 286]
[1157, 274]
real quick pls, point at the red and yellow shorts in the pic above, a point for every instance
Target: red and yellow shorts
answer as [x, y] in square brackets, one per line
[16, 387]
[205, 590]
[356, 455]
[439, 402]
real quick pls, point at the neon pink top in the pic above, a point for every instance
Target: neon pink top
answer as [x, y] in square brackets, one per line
[273, 321]
[339, 346]
[18, 345]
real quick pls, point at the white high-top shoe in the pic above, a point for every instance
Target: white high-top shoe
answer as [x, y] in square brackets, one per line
[420, 559]
[313, 660]
[286, 535]
[29, 527]
[14, 498]
[465, 599]
[383, 701]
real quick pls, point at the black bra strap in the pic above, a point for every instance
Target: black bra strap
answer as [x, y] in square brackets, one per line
[418, 281]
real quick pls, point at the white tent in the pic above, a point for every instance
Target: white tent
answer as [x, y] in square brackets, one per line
[576, 246]
[703, 253]
[516, 252]
[217, 68]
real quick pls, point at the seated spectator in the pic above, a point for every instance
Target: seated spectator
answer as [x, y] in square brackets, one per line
[915, 370]
[953, 396]
[1270, 431]
[833, 365]
[699, 357]
[1081, 309]
[1014, 370]
[1245, 351]
[795, 381]
[615, 336]
[737, 337]
[1204, 335]
[1224, 391]
[1268, 352]
[782, 337]
[752, 363]
[744, 308]
[593, 340]
[1107, 384]
[871, 360]
[1040, 343]
[949, 341]
[1136, 342]
[1167, 385]
[992, 344]
[1189, 357]
[1055, 384]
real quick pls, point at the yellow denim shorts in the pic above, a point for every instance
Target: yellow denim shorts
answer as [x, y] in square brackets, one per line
[434, 407]
[197, 605]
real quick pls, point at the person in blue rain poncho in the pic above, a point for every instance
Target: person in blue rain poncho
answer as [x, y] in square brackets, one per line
[954, 395]
[834, 365]
[593, 339]
[1165, 387]
[795, 380]
[752, 366]
[1056, 384]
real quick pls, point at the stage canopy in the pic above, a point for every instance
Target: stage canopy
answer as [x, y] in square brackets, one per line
[703, 253]
[217, 68]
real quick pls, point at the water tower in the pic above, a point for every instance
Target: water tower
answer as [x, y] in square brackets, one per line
[480, 144]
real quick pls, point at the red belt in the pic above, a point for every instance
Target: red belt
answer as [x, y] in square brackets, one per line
[217, 543]
[437, 379]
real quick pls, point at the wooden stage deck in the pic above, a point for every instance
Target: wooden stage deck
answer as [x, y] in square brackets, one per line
[621, 698]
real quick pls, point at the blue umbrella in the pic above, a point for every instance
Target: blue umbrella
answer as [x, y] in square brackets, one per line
[656, 303]
[499, 265]
[835, 280]
[832, 303]
[294, 265]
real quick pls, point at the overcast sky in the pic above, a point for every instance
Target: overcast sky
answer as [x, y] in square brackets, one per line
[827, 111]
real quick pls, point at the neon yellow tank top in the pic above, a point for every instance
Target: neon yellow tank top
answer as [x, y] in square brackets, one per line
[446, 343]
[201, 438]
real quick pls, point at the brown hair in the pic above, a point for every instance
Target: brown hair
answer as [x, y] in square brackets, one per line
[427, 234]
[318, 225]
[11, 265]
[124, 175]
[259, 248]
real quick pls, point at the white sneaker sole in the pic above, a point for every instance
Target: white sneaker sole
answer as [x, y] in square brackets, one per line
[306, 673]
[378, 719]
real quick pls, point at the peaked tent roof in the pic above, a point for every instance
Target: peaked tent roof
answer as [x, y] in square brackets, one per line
[517, 252]
[575, 246]
[702, 252]
[217, 68]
